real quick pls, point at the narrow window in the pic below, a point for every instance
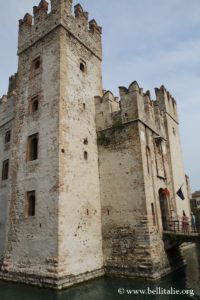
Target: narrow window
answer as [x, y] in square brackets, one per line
[34, 105]
[7, 137]
[32, 151]
[5, 169]
[82, 67]
[153, 214]
[87, 212]
[84, 106]
[85, 155]
[174, 131]
[148, 155]
[36, 63]
[30, 204]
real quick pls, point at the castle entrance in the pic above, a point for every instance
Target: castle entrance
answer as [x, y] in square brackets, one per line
[163, 208]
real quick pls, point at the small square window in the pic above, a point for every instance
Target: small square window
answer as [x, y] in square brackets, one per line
[85, 141]
[5, 169]
[30, 204]
[7, 137]
[34, 104]
[36, 63]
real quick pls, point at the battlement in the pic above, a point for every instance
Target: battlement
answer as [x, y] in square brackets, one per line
[166, 102]
[12, 84]
[7, 102]
[134, 105]
[3, 99]
[40, 12]
[43, 21]
[11, 89]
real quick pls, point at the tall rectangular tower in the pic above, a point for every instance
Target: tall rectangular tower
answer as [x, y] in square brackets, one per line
[54, 219]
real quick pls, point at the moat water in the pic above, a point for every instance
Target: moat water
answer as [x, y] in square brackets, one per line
[186, 280]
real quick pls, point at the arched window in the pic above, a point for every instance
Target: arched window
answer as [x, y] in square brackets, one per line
[32, 151]
[5, 169]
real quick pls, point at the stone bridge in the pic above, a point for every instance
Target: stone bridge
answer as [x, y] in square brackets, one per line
[175, 231]
[180, 237]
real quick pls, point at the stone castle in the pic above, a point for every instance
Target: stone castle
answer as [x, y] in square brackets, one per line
[88, 180]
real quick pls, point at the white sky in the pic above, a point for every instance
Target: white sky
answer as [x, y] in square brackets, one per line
[154, 42]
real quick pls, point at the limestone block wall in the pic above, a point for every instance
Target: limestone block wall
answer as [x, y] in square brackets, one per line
[6, 123]
[122, 198]
[64, 237]
[80, 238]
[32, 240]
[174, 150]
[177, 167]
[43, 21]
[132, 237]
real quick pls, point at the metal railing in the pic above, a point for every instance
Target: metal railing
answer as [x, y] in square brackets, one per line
[178, 226]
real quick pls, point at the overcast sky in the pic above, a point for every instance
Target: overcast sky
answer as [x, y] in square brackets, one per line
[152, 41]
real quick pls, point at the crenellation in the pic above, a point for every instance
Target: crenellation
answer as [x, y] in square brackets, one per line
[3, 99]
[40, 12]
[133, 105]
[80, 13]
[166, 102]
[122, 91]
[94, 28]
[7, 102]
[105, 107]
[26, 21]
[12, 84]
[89, 33]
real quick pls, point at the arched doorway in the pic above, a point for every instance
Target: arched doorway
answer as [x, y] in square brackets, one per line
[163, 207]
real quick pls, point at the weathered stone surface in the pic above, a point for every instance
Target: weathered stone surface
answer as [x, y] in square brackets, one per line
[100, 166]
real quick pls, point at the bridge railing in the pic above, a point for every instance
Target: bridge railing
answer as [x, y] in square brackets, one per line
[178, 226]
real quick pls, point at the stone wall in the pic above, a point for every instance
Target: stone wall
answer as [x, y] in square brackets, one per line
[32, 240]
[6, 122]
[63, 239]
[80, 240]
[134, 164]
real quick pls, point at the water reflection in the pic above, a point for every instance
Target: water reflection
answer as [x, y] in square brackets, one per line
[107, 289]
[192, 256]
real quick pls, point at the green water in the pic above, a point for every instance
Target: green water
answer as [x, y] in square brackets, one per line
[107, 289]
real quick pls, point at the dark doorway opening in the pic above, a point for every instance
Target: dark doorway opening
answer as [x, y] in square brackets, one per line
[163, 208]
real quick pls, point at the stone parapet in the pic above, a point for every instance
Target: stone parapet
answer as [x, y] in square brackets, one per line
[32, 29]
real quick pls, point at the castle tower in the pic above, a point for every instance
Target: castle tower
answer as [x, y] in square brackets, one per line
[54, 219]
[178, 178]
[137, 179]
